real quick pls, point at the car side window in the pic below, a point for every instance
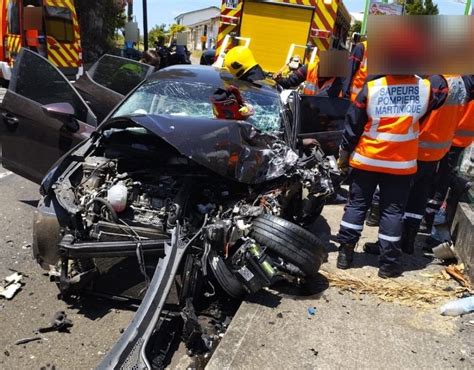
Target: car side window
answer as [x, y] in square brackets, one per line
[41, 82]
[119, 74]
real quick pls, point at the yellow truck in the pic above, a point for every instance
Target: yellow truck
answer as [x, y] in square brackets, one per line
[48, 27]
[276, 29]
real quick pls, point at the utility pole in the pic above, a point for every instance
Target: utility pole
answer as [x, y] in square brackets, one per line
[363, 30]
[130, 10]
[145, 25]
[467, 11]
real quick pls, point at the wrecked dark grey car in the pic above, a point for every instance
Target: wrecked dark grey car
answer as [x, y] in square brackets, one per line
[197, 203]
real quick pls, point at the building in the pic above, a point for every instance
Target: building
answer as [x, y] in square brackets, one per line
[356, 17]
[202, 27]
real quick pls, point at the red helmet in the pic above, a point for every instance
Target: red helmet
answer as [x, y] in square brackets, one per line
[228, 104]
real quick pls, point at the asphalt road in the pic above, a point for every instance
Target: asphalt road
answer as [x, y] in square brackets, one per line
[97, 324]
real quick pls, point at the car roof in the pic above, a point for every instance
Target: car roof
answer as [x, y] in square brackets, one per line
[210, 75]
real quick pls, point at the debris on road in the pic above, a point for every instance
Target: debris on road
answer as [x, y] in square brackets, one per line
[27, 340]
[14, 278]
[59, 323]
[12, 286]
[458, 307]
[457, 273]
[407, 293]
[311, 311]
[445, 251]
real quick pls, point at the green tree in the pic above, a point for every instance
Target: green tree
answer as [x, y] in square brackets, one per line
[99, 20]
[157, 34]
[419, 7]
[416, 8]
[355, 28]
[174, 29]
[430, 8]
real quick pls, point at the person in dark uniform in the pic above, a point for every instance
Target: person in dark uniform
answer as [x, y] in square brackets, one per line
[380, 147]
[330, 87]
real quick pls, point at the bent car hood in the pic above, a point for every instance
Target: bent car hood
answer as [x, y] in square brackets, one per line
[233, 149]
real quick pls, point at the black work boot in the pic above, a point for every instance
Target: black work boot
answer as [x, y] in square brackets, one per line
[372, 248]
[345, 256]
[374, 215]
[408, 239]
[427, 223]
[389, 271]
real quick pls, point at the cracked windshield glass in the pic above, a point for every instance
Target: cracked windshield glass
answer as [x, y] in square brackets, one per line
[177, 98]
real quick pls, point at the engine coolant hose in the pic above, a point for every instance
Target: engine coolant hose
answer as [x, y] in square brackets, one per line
[109, 207]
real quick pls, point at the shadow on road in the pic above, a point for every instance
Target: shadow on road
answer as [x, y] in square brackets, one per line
[322, 230]
[32, 203]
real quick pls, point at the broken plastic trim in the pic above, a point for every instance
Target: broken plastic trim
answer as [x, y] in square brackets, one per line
[129, 351]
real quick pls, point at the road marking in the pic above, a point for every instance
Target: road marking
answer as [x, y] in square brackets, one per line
[5, 174]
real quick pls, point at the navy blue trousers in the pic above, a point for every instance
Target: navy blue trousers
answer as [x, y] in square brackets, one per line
[445, 174]
[394, 191]
[419, 193]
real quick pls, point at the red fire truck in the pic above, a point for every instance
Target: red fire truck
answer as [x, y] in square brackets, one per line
[49, 27]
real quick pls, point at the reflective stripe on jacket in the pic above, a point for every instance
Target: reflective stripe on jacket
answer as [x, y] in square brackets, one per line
[360, 76]
[311, 83]
[464, 134]
[437, 130]
[311, 86]
[389, 143]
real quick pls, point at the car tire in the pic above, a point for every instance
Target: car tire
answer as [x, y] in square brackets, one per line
[225, 277]
[290, 242]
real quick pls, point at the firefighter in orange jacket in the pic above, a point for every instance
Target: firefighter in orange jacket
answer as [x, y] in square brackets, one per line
[437, 132]
[308, 73]
[358, 71]
[463, 137]
[380, 144]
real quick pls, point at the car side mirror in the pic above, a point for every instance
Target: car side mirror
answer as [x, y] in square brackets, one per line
[63, 112]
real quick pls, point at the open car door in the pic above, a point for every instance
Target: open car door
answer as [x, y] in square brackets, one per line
[321, 118]
[42, 115]
[107, 82]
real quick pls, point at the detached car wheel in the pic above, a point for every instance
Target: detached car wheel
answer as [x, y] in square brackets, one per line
[291, 242]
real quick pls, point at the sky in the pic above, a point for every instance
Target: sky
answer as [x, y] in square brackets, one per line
[164, 11]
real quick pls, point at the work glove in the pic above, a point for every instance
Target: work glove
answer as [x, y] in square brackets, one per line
[343, 161]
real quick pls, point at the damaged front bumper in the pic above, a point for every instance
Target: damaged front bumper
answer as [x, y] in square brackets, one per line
[130, 350]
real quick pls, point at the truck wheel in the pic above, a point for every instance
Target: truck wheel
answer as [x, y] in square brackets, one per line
[290, 242]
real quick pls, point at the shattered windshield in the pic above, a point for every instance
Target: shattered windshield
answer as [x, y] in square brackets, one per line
[178, 98]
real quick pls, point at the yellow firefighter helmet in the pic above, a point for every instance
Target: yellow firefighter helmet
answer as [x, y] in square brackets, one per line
[239, 60]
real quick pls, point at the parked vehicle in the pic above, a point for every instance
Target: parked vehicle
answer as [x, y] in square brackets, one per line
[191, 199]
[264, 26]
[48, 27]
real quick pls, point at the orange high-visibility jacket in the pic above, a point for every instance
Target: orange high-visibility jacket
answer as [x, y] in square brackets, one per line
[389, 143]
[360, 76]
[437, 131]
[464, 134]
[311, 86]
[311, 83]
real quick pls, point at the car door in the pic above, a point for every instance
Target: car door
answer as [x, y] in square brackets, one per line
[32, 139]
[106, 83]
[322, 118]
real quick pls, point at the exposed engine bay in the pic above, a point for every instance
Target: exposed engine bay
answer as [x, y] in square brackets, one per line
[131, 194]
